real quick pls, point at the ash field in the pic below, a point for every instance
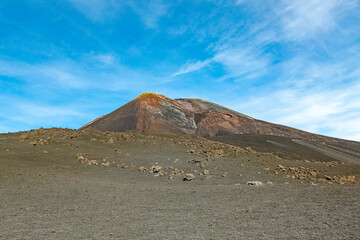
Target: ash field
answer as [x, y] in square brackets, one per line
[182, 184]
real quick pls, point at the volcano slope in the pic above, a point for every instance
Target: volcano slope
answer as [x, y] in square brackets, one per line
[155, 113]
[87, 184]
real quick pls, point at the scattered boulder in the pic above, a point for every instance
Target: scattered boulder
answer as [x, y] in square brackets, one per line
[123, 165]
[142, 169]
[155, 169]
[82, 157]
[176, 171]
[189, 177]
[92, 162]
[206, 172]
[249, 150]
[341, 179]
[300, 173]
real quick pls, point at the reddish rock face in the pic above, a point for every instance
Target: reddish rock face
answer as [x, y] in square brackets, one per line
[155, 113]
[151, 113]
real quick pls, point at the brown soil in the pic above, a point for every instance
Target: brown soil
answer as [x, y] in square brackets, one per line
[67, 184]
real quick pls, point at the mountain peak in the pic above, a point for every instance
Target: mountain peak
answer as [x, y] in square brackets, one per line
[150, 94]
[155, 113]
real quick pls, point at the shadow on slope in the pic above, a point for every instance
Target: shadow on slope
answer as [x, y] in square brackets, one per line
[286, 147]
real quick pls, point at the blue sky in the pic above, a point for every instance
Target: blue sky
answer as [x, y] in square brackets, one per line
[294, 62]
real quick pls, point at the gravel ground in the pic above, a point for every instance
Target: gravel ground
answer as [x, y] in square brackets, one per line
[47, 193]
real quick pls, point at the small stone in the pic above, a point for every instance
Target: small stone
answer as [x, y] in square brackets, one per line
[249, 150]
[105, 164]
[254, 183]
[224, 174]
[206, 172]
[82, 157]
[123, 165]
[160, 174]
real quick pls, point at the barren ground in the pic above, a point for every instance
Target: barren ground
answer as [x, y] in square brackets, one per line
[65, 184]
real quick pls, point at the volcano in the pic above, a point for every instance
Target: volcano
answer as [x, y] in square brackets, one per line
[155, 113]
[175, 159]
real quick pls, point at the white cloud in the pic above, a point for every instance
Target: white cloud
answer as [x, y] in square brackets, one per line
[191, 66]
[24, 114]
[100, 10]
[150, 11]
[305, 19]
[100, 60]
[56, 74]
[106, 59]
[325, 101]
[97, 10]
[238, 2]
[244, 62]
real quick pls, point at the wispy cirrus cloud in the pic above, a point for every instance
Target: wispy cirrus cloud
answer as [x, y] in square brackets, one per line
[320, 99]
[244, 63]
[191, 66]
[238, 62]
[99, 59]
[302, 20]
[93, 71]
[57, 74]
[150, 11]
[97, 10]
[29, 114]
